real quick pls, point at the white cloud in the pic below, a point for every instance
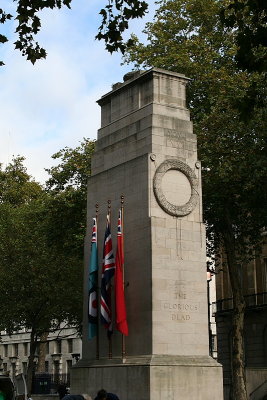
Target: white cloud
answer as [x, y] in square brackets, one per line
[46, 107]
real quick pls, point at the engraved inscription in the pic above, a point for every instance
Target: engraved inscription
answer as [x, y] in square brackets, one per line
[171, 133]
[181, 307]
[180, 317]
[180, 295]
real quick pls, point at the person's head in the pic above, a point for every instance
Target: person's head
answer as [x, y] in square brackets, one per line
[102, 395]
[86, 396]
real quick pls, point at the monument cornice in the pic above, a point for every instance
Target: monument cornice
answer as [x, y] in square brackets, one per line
[151, 360]
[141, 76]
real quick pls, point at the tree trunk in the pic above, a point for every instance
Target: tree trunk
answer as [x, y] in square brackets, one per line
[239, 391]
[30, 369]
[42, 353]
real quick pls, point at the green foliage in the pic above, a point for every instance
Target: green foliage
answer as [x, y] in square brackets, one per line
[41, 245]
[115, 17]
[233, 154]
[35, 274]
[3, 18]
[16, 187]
[74, 169]
[188, 36]
[228, 108]
[34, 279]
[249, 17]
[67, 188]
[29, 24]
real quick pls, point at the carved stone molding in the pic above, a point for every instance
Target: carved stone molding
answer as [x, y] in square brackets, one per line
[172, 209]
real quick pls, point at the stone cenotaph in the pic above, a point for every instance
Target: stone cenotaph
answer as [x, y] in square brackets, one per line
[147, 152]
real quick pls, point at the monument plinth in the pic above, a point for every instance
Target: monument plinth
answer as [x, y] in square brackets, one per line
[146, 150]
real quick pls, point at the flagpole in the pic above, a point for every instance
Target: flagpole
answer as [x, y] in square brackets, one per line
[97, 290]
[110, 336]
[123, 349]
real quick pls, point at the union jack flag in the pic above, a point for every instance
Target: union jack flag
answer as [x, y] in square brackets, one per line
[108, 270]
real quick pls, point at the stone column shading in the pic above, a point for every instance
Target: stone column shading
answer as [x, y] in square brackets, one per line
[146, 150]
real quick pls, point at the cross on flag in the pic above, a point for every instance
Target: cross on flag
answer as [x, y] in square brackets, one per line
[108, 270]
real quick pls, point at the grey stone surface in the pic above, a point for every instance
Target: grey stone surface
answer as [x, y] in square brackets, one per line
[145, 123]
[154, 377]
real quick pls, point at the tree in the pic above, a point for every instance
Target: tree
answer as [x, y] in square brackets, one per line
[188, 36]
[40, 284]
[249, 17]
[74, 169]
[16, 187]
[67, 187]
[115, 17]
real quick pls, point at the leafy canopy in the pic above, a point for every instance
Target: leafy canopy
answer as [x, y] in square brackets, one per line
[249, 18]
[41, 246]
[67, 187]
[35, 272]
[115, 17]
[16, 187]
[189, 37]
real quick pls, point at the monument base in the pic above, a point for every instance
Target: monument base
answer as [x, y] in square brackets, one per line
[151, 377]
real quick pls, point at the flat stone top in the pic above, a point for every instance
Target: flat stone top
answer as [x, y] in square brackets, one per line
[131, 77]
[152, 360]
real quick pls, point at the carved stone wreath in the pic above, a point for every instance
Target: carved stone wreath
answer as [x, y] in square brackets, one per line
[172, 209]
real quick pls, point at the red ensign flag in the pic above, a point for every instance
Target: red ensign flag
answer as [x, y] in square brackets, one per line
[121, 319]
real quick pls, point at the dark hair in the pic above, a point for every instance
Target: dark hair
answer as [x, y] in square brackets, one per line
[102, 394]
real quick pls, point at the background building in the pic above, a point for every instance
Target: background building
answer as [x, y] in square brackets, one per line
[63, 349]
[211, 292]
[255, 330]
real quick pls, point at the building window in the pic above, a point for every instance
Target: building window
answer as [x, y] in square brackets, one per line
[15, 349]
[46, 366]
[25, 349]
[70, 346]
[35, 366]
[264, 275]
[69, 365]
[13, 369]
[5, 367]
[24, 368]
[5, 350]
[58, 346]
[56, 371]
[214, 345]
[37, 349]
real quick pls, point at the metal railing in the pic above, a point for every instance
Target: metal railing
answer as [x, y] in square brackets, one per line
[48, 383]
[251, 300]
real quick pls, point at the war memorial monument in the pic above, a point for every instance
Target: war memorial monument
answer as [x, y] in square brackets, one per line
[147, 151]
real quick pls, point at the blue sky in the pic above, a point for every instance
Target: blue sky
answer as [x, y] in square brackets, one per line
[52, 104]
